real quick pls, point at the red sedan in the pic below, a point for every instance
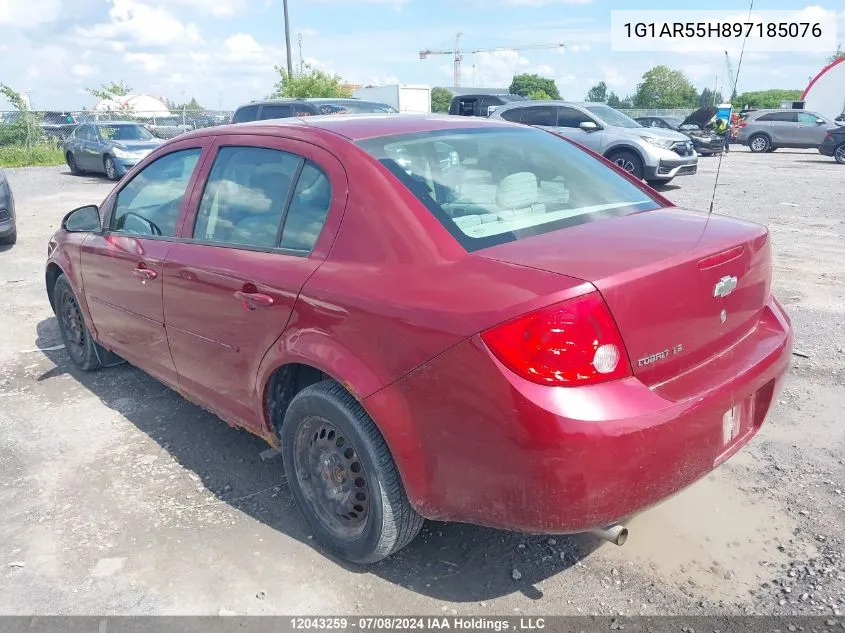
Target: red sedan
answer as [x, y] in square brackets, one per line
[463, 320]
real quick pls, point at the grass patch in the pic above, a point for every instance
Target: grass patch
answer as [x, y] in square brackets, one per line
[36, 155]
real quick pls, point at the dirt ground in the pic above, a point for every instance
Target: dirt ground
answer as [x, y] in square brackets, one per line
[118, 497]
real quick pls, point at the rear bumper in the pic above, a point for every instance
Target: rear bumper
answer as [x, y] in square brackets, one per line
[671, 167]
[477, 444]
[829, 146]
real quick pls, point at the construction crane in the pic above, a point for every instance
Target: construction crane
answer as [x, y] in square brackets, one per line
[459, 54]
[731, 77]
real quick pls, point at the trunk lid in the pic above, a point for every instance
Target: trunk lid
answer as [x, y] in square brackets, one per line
[667, 276]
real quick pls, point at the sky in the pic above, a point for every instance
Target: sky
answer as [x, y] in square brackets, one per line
[223, 52]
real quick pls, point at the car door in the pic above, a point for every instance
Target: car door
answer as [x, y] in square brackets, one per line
[569, 122]
[247, 250]
[781, 126]
[123, 267]
[810, 133]
[86, 149]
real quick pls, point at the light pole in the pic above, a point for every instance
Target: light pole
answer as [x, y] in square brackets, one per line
[287, 38]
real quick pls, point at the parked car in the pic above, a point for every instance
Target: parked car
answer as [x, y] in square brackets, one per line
[768, 130]
[8, 226]
[652, 154]
[111, 148]
[480, 104]
[284, 108]
[168, 127]
[834, 144]
[289, 276]
[696, 126]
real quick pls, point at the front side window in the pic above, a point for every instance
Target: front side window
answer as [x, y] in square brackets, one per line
[612, 117]
[149, 204]
[570, 117]
[466, 107]
[513, 115]
[506, 184]
[244, 200]
[807, 118]
[782, 117]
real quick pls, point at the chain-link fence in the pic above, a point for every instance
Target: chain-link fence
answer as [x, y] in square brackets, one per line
[634, 113]
[28, 128]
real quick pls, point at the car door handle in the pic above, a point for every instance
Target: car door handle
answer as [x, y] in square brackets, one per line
[143, 273]
[254, 300]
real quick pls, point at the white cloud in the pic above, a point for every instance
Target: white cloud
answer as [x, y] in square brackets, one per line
[24, 14]
[541, 3]
[613, 77]
[150, 62]
[82, 70]
[243, 47]
[496, 68]
[216, 8]
[144, 24]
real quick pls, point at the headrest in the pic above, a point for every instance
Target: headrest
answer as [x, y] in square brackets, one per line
[517, 191]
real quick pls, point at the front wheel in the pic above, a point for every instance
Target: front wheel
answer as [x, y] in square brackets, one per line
[111, 168]
[628, 161]
[343, 477]
[77, 338]
[839, 154]
[658, 183]
[759, 143]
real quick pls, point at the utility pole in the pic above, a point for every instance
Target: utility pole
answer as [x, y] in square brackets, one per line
[301, 65]
[287, 38]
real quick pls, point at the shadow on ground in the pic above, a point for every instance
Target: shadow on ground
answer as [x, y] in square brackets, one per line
[448, 561]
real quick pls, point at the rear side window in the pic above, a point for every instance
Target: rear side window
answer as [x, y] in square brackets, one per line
[149, 204]
[276, 112]
[245, 197]
[504, 184]
[788, 117]
[308, 209]
[247, 113]
[539, 115]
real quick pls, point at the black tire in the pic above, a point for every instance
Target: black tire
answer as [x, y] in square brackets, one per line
[111, 168]
[322, 419]
[759, 143]
[10, 239]
[71, 162]
[77, 338]
[628, 161]
[658, 183]
[839, 154]
[771, 149]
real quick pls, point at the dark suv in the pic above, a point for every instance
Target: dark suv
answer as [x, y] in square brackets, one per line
[834, 144]
[480, 104]
[284, 108]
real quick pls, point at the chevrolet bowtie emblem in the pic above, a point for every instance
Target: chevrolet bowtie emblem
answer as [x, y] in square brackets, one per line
[725, 286]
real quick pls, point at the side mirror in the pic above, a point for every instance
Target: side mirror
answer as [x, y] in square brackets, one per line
[819, 121]
[589, 126]
[491, 109]
[82, 220]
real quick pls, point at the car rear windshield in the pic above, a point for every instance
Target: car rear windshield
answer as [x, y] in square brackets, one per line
[355, 108]
[488, 186]
[125, 133]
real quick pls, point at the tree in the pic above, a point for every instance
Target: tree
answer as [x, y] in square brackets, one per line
[529, 83]
[614, 101]
[441, 99]
[193, 104]
[709, 98]
[110, 91]
[664, 87]
[25, 128]
[598, 93]
[309, 83]
[836, 55]
[766, 98]
[539, 95]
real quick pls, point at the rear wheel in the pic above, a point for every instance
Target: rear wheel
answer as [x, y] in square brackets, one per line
[71, 162]
[759, 143]
[628, 161]
[77, 338]
[343, 477]
[839, 154]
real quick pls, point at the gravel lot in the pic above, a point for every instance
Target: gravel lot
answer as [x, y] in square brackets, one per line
[118, 497]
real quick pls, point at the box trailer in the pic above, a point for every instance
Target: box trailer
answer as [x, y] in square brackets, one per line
[414, 99]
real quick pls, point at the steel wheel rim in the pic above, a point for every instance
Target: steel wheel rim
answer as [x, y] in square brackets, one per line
[73, 326]
[759, 144]
[840, 154]
[331, 477]
[110, 168]
[625, 164]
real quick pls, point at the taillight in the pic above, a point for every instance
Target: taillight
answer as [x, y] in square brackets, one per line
[568, 344]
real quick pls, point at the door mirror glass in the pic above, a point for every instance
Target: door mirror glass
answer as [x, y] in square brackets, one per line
[588, 126]
[82, 220]
[819, 121]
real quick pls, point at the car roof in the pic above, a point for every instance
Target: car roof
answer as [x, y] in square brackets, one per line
[306, 100]
[112, 123]
[356, 127]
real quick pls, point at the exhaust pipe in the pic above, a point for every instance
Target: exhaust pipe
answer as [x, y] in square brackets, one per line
[616, 534]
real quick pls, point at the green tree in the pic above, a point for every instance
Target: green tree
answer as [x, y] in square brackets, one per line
[539, 95]
[110, 91]
[614, 101]
[193, 104]
[709, 98]
[598, 93]
[441, 99]
[664, 87]
[309, 83]
[529, 83]
[836, 55]
[25, 128]
[766, 98]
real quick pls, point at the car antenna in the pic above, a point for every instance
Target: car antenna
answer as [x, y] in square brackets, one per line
[728, 136]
